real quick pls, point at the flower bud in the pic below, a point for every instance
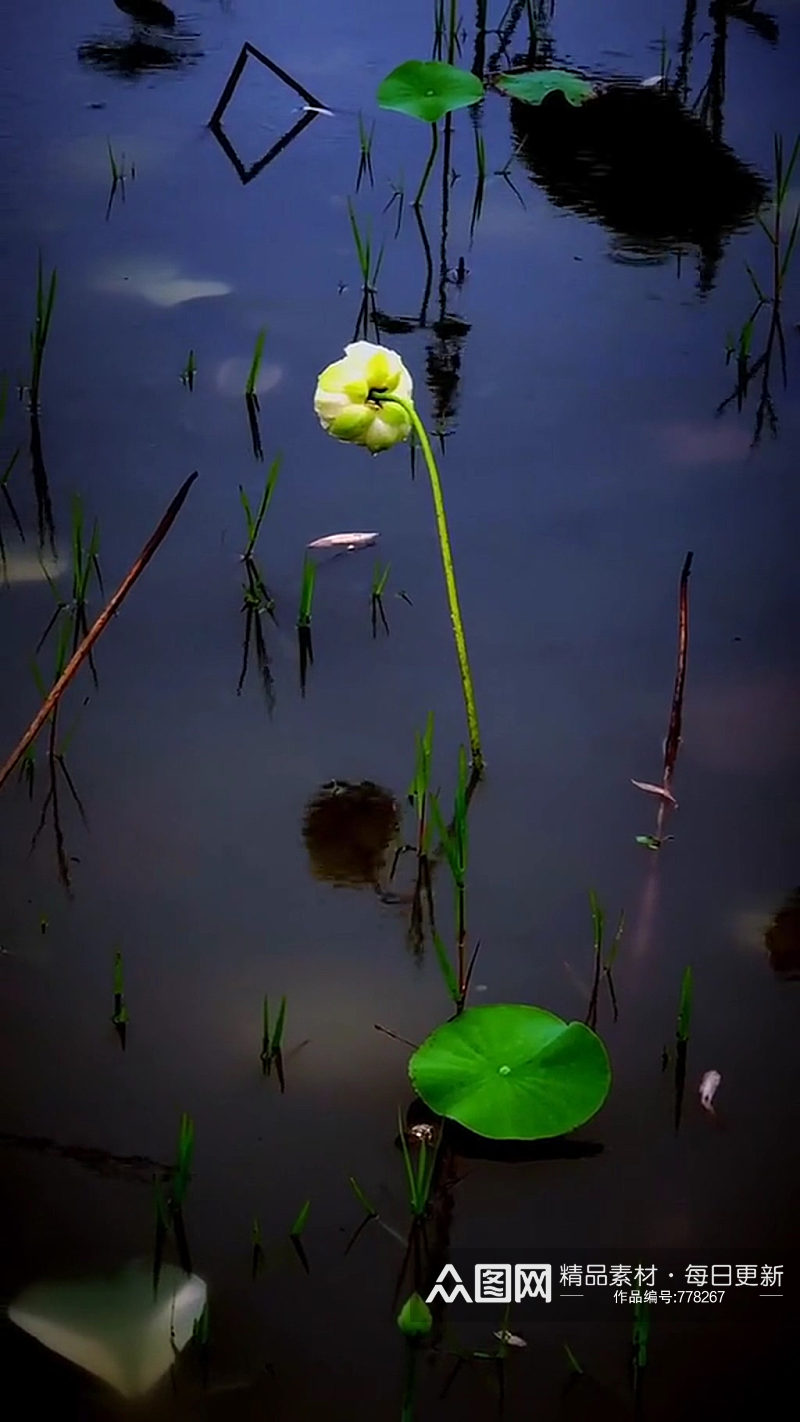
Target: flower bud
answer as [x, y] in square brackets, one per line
[415, 1319]
[347, 400]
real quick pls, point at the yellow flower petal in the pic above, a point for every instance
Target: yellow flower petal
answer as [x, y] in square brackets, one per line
[378, 371]
[352, 424]
[331, 376]
[356, 390]
[342, 398]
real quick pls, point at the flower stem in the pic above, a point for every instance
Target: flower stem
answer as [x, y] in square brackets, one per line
[429, 164]
[449, 575]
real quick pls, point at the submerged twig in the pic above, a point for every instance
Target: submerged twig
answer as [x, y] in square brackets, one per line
[673, 738]
[99, 626]
[673, 741]
[236, 74]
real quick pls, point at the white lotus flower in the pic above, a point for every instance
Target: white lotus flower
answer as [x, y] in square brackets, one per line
[344, 399]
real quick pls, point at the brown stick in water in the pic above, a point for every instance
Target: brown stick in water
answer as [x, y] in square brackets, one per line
[82, 652]
[673, 741]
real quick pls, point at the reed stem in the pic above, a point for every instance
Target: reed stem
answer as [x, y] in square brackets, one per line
[429, 164]
[449, 575]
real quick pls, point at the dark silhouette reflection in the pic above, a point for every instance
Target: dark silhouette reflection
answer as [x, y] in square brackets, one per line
[685, 50]
[711, 101]
[139, 1169]
[246, 175]
[782, 938]
[156, 41]
[257, 601]
[449, 331]
[443, 355]
[45, 522]
[56, 766]
[313, 108]
[539, 15]
[130, 58]
[757, 371]
[347, 830]
[148, 12]
[633, 159]
[748, 14]
[443, 368]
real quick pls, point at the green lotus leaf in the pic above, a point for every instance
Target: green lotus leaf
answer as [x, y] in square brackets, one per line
[512, 1072]
[426, 89]
[536, 84]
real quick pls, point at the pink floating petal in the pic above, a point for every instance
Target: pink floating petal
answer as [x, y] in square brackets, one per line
[708, 1089]
[513, 1340]
[660, 790]
[345, 540]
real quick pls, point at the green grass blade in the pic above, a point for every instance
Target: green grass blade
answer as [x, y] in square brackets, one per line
[255, 364]
[254, 522]
[302, 1219]
[248, 514]
[574, 1365]
[427, 740]
[307, 592]
[362, 247]
[446, 968]
[366, 1205]
[380, 578]
[684, 1021]
[411, 1179]
[183, 1167]
[448, 840]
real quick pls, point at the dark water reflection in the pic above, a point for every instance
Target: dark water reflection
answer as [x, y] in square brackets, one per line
[133, 57]
[651, 173]
[347, 831]
[782, 938]
[576, 399]
[156, 40]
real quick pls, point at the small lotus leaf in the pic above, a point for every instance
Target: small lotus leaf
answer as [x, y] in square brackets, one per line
[426, 89]
[534, 86]
[512, 1072]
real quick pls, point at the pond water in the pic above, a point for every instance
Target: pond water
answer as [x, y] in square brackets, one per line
[575, 365]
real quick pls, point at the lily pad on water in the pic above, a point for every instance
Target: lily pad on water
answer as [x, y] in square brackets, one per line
[535, 86]
[512, 1072]
[427, 89]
